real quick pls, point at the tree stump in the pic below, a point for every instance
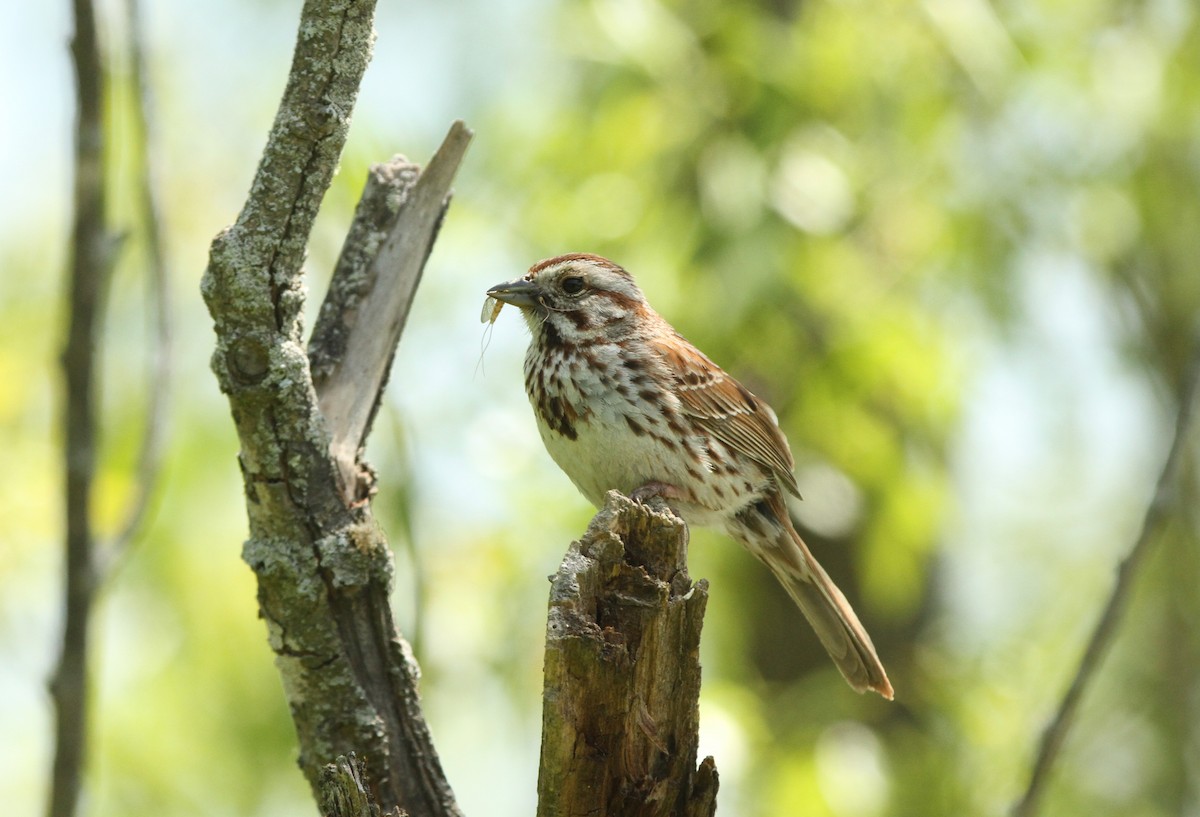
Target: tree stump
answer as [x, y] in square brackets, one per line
[620, 718]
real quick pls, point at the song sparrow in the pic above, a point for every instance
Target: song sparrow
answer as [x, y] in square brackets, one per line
[624, 402]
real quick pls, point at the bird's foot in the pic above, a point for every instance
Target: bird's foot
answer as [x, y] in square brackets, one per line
[661, 490]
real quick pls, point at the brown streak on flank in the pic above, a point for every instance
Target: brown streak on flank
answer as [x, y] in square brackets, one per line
[634, 426]
[667, 442]
[676, 427]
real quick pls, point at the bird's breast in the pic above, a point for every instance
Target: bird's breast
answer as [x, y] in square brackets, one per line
[609, 427]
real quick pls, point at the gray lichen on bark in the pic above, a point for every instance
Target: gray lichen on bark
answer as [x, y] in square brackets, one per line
[344, 791]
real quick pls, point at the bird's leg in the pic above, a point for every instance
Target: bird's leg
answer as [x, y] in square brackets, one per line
[661, 490]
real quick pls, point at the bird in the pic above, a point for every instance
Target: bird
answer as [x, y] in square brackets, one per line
[624, 402]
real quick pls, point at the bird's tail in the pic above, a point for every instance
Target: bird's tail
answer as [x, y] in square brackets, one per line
[767, 532]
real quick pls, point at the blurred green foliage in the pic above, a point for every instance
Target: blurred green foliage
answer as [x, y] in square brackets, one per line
[953, 243]
[833, 199]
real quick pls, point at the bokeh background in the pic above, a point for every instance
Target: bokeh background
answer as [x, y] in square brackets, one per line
[955, 243]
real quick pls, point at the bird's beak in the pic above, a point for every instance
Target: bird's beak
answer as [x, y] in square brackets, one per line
[519, 292]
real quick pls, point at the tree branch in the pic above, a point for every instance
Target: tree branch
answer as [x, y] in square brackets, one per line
[92, 251]
[386, 191]
[370, 303]
[620, 718]
[1156, 516]
[323, 567]
[154, 432]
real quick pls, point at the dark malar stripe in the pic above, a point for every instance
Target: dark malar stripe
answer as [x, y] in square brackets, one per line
[552, 340]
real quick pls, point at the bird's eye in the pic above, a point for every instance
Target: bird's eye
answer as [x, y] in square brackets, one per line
[572, 285]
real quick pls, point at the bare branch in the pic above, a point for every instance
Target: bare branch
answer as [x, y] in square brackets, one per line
[92, 250]
[350, 389]
[1156, 516]
[385, 192]
[620, 717]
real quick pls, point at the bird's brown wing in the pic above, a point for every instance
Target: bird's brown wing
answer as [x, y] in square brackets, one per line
[726, 408]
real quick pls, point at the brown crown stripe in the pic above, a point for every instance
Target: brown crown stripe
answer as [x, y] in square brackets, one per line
[577, 256]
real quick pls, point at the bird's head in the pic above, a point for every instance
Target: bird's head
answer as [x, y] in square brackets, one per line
[577, 295]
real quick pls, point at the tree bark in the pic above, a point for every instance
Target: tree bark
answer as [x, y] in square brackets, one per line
[323, 566]
[344, 792]
[620, 718]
